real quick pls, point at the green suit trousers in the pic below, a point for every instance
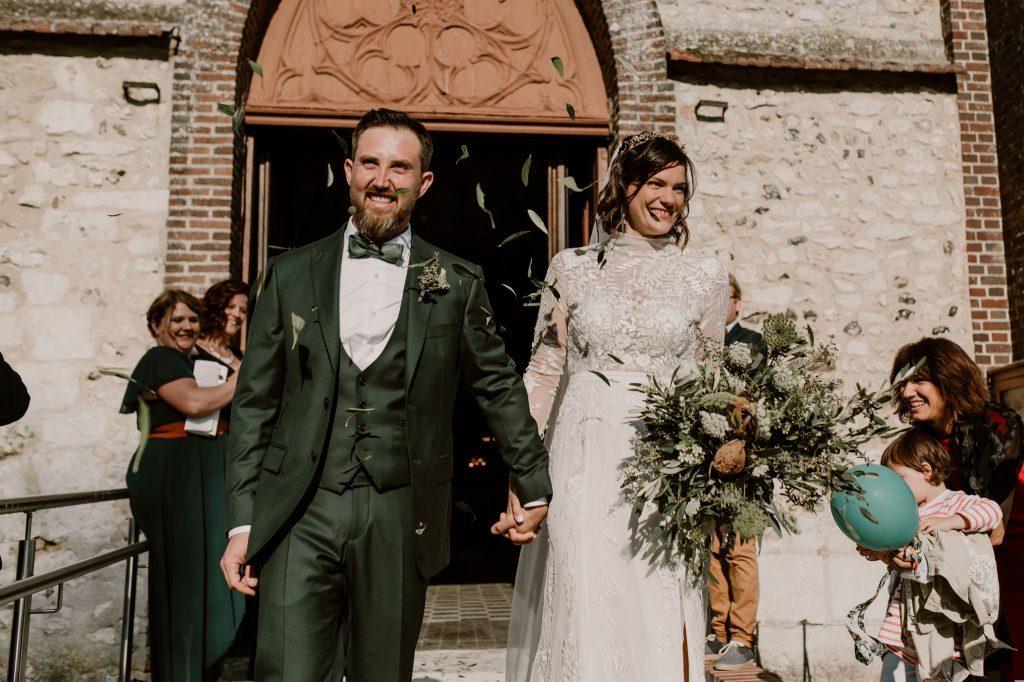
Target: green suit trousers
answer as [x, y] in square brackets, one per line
[341, 594]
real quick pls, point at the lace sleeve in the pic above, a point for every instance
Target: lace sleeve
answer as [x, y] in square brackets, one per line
[549, 348]
[716, 308]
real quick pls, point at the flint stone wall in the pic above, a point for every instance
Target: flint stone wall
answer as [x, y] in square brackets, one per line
[845, 210]
[83, 206]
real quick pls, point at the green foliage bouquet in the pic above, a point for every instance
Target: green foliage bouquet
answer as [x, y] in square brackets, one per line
[717, 443]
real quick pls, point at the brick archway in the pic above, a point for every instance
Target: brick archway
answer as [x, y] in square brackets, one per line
[207, 162]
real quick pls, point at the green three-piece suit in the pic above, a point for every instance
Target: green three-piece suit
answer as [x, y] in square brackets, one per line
[345, 474]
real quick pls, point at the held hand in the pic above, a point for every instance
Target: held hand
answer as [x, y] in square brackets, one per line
[901, 560]
[512, 516]
[238, 574]
[526, 531]
[954, 522]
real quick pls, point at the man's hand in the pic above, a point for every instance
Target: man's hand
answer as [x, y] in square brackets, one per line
[232, 564]
[519, 524]
[954, 522]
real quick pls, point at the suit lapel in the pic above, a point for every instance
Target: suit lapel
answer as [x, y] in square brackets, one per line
[418, 311]
[325, 268]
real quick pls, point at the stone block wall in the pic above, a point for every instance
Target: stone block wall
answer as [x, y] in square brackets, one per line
[846, 210]
[1005, 22]
[83, 205]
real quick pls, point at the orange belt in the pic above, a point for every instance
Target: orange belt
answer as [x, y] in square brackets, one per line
[177, 430]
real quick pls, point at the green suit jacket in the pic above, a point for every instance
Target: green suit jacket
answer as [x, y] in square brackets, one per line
[286, 393]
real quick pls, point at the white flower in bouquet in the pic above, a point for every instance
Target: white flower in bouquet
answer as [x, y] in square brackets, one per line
[759, 471]
[764, 421]
[740, 355]
[692, 507]
[690, 453]
[784, 379]
[715, 425]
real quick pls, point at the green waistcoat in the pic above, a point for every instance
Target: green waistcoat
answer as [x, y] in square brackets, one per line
[370, 447]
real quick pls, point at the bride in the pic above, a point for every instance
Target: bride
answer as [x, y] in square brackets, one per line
[588, 605]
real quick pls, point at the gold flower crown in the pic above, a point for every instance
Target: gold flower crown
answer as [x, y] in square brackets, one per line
[646, 136]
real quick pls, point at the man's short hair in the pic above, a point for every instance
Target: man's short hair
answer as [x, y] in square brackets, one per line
[734, 288]
[389, 118]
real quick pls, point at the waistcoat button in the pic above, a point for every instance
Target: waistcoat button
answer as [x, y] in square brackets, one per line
[361, 428]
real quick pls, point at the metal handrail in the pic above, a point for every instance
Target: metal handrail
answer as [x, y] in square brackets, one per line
[26, 587]
[26, 584]
[20, 505]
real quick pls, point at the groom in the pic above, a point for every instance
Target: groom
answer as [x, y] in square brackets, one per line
[340, 456]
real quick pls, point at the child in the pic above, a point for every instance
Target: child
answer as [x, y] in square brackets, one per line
[965, 564]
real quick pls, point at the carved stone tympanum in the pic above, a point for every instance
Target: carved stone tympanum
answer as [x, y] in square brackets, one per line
[473, 60]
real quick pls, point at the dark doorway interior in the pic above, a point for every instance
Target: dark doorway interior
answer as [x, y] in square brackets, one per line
[304, 202]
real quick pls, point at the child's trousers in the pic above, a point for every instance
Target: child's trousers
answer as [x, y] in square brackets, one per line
[895, 669]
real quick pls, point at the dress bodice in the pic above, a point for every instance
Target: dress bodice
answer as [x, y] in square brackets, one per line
[640, 309]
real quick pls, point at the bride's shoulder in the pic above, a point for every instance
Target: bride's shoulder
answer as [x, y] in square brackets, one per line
[707, 263]
[575, 257]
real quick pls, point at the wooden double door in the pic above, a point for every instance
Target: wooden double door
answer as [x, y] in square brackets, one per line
[297, 194]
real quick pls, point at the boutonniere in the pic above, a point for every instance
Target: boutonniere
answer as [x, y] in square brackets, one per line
[433, 281]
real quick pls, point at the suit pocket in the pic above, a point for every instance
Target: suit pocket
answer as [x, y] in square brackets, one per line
[273, 458]
[445, 329]
[444, 468]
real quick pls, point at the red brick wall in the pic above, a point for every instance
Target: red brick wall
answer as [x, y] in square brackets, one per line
[986, 262]
[1006, 51]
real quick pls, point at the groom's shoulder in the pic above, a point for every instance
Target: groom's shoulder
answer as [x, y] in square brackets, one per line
[300, 255]
[447, 258]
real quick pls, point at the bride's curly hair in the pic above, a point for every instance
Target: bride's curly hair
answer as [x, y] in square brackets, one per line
[640, 158]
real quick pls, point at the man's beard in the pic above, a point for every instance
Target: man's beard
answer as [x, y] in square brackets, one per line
[380, 227]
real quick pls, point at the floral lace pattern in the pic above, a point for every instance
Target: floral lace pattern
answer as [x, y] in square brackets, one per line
[605, 613]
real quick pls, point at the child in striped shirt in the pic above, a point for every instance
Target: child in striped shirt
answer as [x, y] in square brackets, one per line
[924, 464]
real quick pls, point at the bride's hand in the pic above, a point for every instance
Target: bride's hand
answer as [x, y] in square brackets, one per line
[518, 524]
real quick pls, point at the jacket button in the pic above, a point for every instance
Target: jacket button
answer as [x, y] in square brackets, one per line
[362, 381]
[361, 428]
[327, 404]
[362, 404]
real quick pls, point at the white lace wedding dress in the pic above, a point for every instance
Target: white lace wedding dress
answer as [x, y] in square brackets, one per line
[587, 604]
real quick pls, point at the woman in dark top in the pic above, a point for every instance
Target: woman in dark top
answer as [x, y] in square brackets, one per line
[948, 396]
[176, 489]
[222, 323]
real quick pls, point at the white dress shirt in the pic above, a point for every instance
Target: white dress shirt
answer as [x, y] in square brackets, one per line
[369, 299]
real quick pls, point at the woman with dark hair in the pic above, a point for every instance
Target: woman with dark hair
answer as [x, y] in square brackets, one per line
[176, 490]
[588, 604]
[948, 396]
[225, 309]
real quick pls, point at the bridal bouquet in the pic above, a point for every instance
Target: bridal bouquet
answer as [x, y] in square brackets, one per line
[719, 442]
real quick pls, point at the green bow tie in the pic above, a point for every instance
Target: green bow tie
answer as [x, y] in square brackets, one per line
[361, 247]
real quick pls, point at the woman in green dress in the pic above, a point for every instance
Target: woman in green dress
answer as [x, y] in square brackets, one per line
[176, 489]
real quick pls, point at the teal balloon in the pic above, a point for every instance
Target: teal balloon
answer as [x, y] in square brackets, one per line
[886, 518]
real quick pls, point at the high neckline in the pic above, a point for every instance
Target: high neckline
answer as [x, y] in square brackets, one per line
[638, 244]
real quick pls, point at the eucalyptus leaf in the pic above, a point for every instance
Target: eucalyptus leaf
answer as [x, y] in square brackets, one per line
[537, 220]
[466, 509]
[341, 142]
[600, 376]
[352, 210]
[226, 109]
[525, 172]
[571, 110]
[510, 289]
[297, 325]
[616, 359]
[330, 175]
[559, 66]
[627, 65]
[570, 184]
[483, 206]
[144, 424]
[513, 237]
[464, 155]
[867, 515]
[121, 374]
[238, 118]
[256, 68]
